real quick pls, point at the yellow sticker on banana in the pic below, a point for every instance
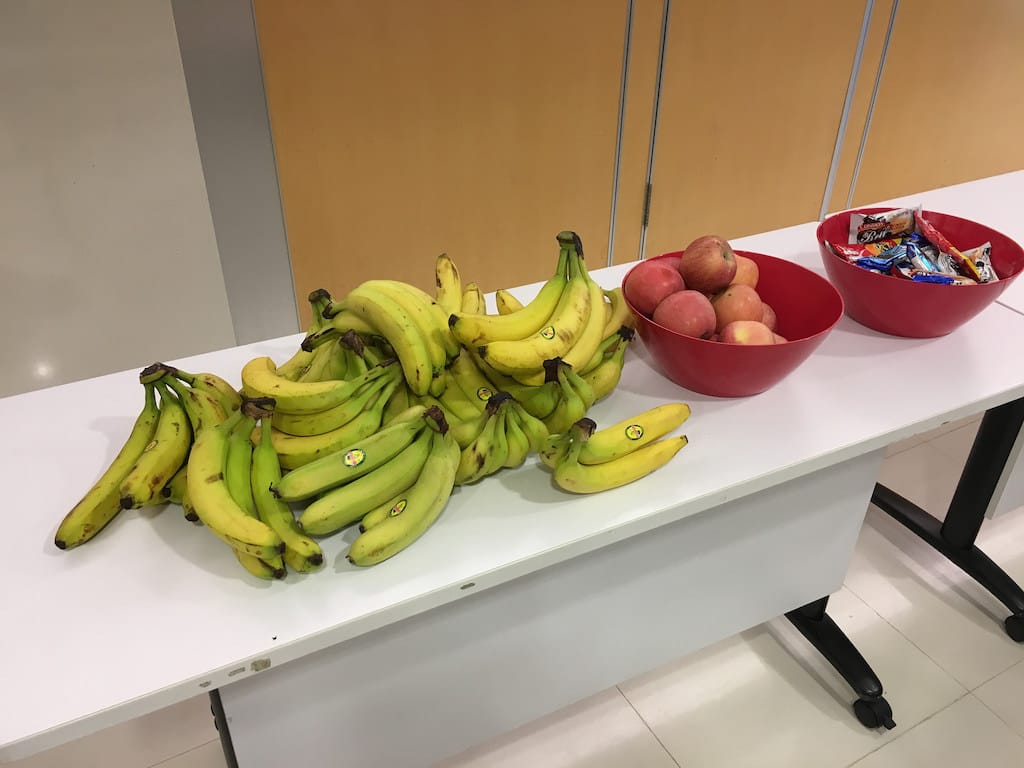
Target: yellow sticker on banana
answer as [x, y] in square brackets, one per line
[547, 332]
[634, 432]
[483, 393]
[398, 509]
[354, 458]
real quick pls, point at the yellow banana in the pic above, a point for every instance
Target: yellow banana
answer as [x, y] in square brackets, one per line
[534, 429]
[570, 409]
[103, 501]
[202, 407]
[619, 314]
[605, 377]
[309, 424]
[572, 476]
[163, 456]
[555, 448]
[633, 433]
[174, 491]
[506, 302]
[416, 306]
[607, 348]
[259, 378]
[408, 519]
[590, 337]
[475, 328]
[449, 284]
[291, 368]
[468, 377]
[518, 444]
[212, 384]
[259, 568]
[488, 451]
[381, 512]
[473, 301]
[540, 400]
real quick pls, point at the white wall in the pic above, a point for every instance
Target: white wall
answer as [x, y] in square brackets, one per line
[107, 251]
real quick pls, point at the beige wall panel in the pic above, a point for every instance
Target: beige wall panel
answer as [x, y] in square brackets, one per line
[636, 133]
[751, 104]
[951, 104]
[403, 129]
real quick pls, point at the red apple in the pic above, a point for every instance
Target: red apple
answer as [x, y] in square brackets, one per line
[649, 283]
[737, 302]
[768, 317]
[708, 264]
[688, 313]
[747, 332]
[747, 272]
[780, 339]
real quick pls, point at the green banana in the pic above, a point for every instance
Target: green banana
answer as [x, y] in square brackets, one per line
[488, 451]
[381, 512]
[238, 465]
[293, 367]
[310, 424]
[571, 407]
[202, 407]
[605, 377]
[534, 429]
[162, 457]
[103, 501]
[259, 378]
[351, 462]
[212, 384]
[349, 503]
[422, 506]
[301, 552]
[471, 381]
[518, 444]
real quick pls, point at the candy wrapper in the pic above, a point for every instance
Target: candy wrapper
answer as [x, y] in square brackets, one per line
[929, 232]
[854, 252]
[981, 257]
[888, 225]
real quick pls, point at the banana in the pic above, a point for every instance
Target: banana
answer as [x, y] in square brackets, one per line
[381, 512]
[570, 409]
[607, 348]
[534, 429]
[291, 368]
[410, 346]
[162, 457]
[474, 329]
[320, 337]
[270, 553]
[409, 518]
[449, 284]
[208, 493]
[619, 314]
[605, 377]
[540, 401]
[399, 401]
[351, 462]
[174, 491]
[439, 318]
[295, 452]
[260, 568]
[488, 451]
[238, 464]
[572, 476]
[633, 433]
[259, 378]
[202, 407]
[507, 303]
[525, 357]
[455, 400]
[302, 554]
[103, 501]
[349, 503]
[590, 337]
[518, 443]
[186, 504]
[468, 377]
[212, 384]
[583, 389]
[345, 320]
[310, 424]
[323, 366]
[416, 306]
[472, 301]
[465, 431]
[555, 448]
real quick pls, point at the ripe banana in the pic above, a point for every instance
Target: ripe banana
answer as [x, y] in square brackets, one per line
[518, 443]
[212, 384]
[409, 518]
[301, 552]
[201, 406]
[438, 326]
[103, 501]
[620, 314]
[589, 339]
[540, 401]
[416, 306]
[381, 512]
[399, 400]
[351, 462]
[534, 429]
[259, 378]
[349, 503]
[572, 476]
[506, 302]
[291, 368]
[410, 345]
[472, 301]
[449, 284]
[468, 377]
[208, 493]
[633, 433]
[261, 569]
[174, 491]
[605, 377]
[526, 356]
[309, 424]
[570, 408]
[162, 457]
[455, 400]
[488, 451]
[475, 328]
[623, 335]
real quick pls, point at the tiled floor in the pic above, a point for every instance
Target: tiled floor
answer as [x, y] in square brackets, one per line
[763, 698]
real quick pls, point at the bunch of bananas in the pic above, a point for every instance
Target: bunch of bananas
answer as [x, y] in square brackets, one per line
[393, 399]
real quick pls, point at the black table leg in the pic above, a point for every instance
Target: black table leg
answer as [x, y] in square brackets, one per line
[955, 537]
[817, 626]
[220, 720]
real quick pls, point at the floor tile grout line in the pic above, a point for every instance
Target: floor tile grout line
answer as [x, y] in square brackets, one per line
[909, 730]
[997, 674]
[648, 727]
[1001, 719]
[180, 754]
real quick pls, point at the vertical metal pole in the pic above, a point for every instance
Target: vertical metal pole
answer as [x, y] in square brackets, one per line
[654, 123]
[221, 721]
[851, 87]
[871, 105]
[619, 130]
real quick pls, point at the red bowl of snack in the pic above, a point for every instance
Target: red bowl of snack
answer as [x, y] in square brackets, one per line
[901, 307]
[807, 306]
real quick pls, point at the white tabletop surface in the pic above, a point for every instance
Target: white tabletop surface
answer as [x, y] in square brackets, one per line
[155, 608]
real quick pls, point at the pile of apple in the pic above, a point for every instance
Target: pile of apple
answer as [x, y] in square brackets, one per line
[709, 293]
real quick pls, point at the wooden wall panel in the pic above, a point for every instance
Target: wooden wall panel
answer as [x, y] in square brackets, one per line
[476, 127]
[751, 105]
[951, 104]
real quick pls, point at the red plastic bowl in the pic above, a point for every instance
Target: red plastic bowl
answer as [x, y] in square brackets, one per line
[808, 307]
[900, 307]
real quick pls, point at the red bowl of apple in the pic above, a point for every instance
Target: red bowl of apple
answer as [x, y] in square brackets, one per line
[807, 308]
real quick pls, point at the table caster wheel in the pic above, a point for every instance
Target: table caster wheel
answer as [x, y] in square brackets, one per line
[874, 713]
[1015, 627]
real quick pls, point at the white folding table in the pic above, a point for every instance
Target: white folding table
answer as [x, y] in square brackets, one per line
[521, 599]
